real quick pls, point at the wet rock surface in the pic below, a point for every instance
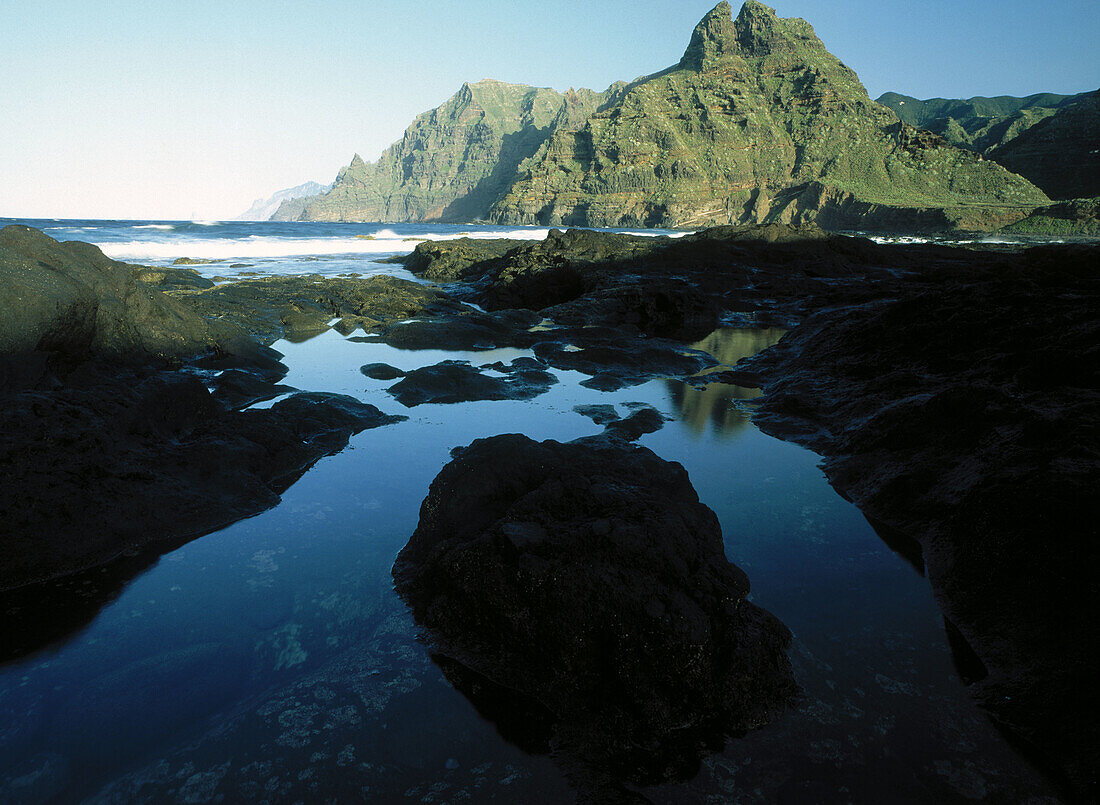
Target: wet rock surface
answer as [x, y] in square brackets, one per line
[268, 308]
[458, 381]
[70, 300]
[965, 418]
[588, 582]
[108, 441]
[679, 287]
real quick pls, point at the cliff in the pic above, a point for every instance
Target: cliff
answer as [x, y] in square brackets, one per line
[454, 161]
[758, 122]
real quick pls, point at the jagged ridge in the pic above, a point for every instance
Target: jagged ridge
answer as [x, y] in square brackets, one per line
[453, 161]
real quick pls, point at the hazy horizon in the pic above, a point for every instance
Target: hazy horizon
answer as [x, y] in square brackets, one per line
[178, 112]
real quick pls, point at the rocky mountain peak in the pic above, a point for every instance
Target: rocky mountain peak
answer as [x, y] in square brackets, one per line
[760, 32]
[713, 37]
[356, 162]
[755, 32]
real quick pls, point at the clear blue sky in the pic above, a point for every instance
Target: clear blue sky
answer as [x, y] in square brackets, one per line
[149, 110]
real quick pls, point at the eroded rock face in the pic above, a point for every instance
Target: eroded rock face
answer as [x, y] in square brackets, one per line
[589, 581]
[71, 300]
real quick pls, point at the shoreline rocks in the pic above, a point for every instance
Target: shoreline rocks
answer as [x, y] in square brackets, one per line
[110, 439]
[964, 418]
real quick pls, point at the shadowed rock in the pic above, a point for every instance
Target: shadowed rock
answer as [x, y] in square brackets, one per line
[458, 381]
[588, 580]
[108, 443]
[966, 418]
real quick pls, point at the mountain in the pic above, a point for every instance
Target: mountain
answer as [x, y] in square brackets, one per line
[979, 124]
[1048, 139]
[263, 209]
[757, 122]
[1060, 154]
[454, 161]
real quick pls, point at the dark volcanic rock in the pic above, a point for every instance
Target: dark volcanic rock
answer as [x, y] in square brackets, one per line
[381, 371]
[678, 287]
[587, 579]
[108, 459]
[468, 329]
[271, 307]
[71, 300]
[458, 381]
[451, 260]
[616, 361]
[967, 418]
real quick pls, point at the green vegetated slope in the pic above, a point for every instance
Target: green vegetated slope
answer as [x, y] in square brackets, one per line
[757, 122]
[1060, 154]
[453, 161]
[979, 124]
[1052, 140]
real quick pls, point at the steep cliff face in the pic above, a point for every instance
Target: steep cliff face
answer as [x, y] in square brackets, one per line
[757, 122]
[1061, 154]
[455, 160]
[269, 208]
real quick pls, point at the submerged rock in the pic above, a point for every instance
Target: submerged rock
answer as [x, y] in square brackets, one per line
[588, 581]
[458, 381]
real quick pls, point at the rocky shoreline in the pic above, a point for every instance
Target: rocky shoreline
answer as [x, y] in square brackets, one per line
[952, 393]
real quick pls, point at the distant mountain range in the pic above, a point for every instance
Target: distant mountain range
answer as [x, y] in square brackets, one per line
[757, 122]
[1052, 140]
[263, 208]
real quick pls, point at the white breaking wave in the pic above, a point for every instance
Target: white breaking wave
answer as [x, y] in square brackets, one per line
[155, 226]
[382, 241]
[385, 241]
[249, 248]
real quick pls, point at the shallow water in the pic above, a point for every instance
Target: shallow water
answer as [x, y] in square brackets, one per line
[272, 660]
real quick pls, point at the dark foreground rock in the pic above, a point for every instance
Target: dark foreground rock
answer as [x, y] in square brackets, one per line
[965, 421]
[70, 300]
[268, 308]
[585, 585]
[121, 421]
[115, 459]
[676, 287]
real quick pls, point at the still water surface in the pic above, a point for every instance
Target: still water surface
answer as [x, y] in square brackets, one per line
[272, 661]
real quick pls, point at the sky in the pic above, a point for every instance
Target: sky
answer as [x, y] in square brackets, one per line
[120, 109]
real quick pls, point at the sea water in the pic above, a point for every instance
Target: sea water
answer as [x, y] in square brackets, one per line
[272, 660]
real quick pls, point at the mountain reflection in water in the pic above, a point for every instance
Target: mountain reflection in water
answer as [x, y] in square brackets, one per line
[713, 403]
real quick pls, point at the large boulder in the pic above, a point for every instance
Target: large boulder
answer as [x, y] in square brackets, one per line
[587, 582]
[70, 299]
